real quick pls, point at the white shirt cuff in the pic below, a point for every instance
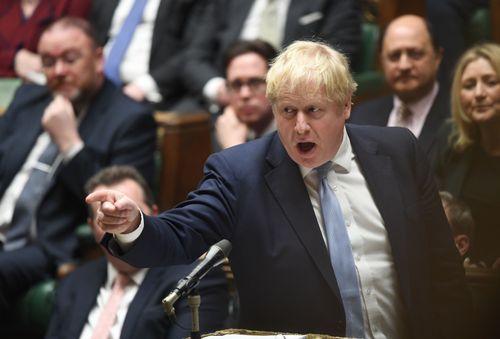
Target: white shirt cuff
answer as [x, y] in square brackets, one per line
[127, 240]
[149, 87]
[211, 88]
[73, 151]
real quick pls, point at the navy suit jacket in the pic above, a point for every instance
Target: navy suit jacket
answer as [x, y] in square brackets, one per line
[376, 112]
[254, 196]
[76, 296]
[115, 130]
[221, 25]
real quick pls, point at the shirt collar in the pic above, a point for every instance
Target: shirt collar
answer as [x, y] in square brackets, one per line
[421, 106]
[136, 277]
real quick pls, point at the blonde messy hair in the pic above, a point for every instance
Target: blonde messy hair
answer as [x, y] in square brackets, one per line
[313, 66]
[465, 131]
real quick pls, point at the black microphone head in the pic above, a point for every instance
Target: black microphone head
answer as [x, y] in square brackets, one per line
[225, 246]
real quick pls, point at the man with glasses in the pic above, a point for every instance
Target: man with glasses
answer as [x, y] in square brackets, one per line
[248, 115]
[410, 56]
[53, 139]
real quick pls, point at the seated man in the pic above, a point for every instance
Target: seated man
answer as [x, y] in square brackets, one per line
[144, 61]
[279, 22]
[410, 57]
[53, 139]
[249, 114]
[83, 296]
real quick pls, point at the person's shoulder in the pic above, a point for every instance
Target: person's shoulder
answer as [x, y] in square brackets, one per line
[29, 92]
[388, 138]
[117, 101]
[369, 110]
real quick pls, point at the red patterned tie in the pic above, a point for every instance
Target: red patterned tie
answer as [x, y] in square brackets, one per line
[108, 314]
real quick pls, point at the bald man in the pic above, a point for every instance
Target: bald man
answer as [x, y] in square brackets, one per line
[410, 56]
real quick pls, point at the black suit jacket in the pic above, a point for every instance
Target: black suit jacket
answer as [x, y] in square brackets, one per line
[115, 130]
[254, 195]
[168, 45]
[376, 112]
[222, 22]
[77, 293]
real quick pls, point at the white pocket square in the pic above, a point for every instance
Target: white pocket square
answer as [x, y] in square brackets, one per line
[310, 18]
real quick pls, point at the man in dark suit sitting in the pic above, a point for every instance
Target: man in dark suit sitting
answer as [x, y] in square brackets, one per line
[83, 294]
[53, 139]
[410, 58]
[279, 22]
[336, 229]
[149, 68]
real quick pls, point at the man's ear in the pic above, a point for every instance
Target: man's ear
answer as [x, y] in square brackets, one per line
[462, 242]
[347, 108]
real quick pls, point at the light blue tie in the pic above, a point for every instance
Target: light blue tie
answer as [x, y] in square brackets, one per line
[341, 255]
[122, 41]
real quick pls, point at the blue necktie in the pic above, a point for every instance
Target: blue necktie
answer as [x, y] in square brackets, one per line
[122, 41]
[341, 255]
[28, 201]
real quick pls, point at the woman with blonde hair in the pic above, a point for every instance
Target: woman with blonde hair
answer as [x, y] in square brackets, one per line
[468, 158]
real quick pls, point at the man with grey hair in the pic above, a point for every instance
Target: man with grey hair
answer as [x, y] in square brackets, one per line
[336, 229]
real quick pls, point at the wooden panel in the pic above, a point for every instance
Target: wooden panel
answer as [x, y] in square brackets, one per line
[184, 146]
[495, 20]
[389, 9]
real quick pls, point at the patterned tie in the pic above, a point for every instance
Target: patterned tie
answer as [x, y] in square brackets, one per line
[108, 313]
[268, 30]
[32, 194]
[122, 41]
[404, 115]
[341, 254]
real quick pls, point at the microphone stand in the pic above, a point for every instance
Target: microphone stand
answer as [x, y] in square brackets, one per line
[194, 301]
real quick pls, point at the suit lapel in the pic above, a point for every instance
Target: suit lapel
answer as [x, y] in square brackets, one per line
[238, 12]
[86, 296]
[437, 115]
[23, 140]
[379, 173]
[148, 286]
[287, 185]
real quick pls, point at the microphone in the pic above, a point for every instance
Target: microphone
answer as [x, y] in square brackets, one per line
[215, 256]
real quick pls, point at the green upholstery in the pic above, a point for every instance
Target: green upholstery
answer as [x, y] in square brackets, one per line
[369, 79]
[7, 88]
[34, 309]
[480, 28]
[367, 60]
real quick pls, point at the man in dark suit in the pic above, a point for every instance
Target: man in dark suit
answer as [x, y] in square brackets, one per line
[150, 67]
[81, 296]
[225, 21]
[264, 197]
[410, 58]
[89, 124]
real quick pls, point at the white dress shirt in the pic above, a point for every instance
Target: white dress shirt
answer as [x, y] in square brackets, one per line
[420, 109]
[135, 64]
[102, 298]
[383, 310]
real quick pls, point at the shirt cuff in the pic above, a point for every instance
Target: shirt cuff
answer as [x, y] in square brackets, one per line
[149, 87]
[211, 88]
[74, 150]
[126, 240]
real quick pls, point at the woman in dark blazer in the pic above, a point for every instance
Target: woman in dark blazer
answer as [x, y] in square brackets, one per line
[468, 160]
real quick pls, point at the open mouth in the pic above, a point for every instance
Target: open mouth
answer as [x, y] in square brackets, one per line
[305, 147]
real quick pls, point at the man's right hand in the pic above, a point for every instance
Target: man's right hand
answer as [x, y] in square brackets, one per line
[116, 213]
[26, 63]
[229, 130]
